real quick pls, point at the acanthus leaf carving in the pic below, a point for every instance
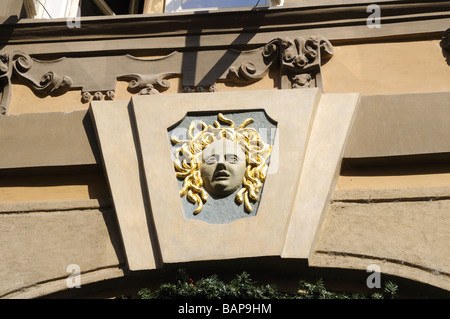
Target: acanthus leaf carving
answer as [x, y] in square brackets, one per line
[300, 61]
[246, 72]
[302, 54]
[252, 65]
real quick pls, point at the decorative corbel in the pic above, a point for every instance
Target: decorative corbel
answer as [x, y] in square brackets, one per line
[300, 60]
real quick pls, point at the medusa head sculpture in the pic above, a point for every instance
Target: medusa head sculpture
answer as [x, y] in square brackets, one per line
[217, 160]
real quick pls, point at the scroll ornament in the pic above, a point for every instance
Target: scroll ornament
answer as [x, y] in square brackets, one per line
[49, 83]
[299, 59]
[20, 63]
[146, 84]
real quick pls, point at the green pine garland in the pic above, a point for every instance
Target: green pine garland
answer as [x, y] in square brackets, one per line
[243, 287]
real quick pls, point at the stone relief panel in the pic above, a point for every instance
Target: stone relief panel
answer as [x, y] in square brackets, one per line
[299, 61]
[220, 206]
[221, 162]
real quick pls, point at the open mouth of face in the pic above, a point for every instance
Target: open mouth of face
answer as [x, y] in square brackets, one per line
[221, 175]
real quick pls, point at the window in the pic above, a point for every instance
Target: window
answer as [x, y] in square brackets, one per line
[51, 9]
[192, 5]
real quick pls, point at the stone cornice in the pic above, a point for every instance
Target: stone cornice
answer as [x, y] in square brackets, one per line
[226, 28]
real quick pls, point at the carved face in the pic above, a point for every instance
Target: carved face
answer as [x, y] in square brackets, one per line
[234, 157]
[223, 167]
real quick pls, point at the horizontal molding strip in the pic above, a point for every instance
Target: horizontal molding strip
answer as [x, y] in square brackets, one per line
[69, 140]
[388, 195]
[169, 32]
[69, 205]
[429, 270]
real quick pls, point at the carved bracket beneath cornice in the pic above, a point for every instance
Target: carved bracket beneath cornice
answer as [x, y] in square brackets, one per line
[299, 61]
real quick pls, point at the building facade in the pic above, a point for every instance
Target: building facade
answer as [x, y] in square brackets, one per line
[358, 93]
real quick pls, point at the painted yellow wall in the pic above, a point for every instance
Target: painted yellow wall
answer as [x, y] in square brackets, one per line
[388, 68]
[393, 177]
[403, 238]
[27, 189]
[24, 100]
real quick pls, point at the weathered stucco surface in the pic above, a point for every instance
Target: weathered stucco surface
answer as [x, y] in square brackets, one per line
[393, 216]
[388, 68]
[404, 238]
[44, 242]
[52, 188]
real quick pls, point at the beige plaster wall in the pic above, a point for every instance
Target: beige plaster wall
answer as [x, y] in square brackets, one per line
[400, 125]
[42, 244]
[48, 222]
[387, 68]
[24, 100]
[50, 188]
[404, 238]
[394, 177]
[395, 217]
